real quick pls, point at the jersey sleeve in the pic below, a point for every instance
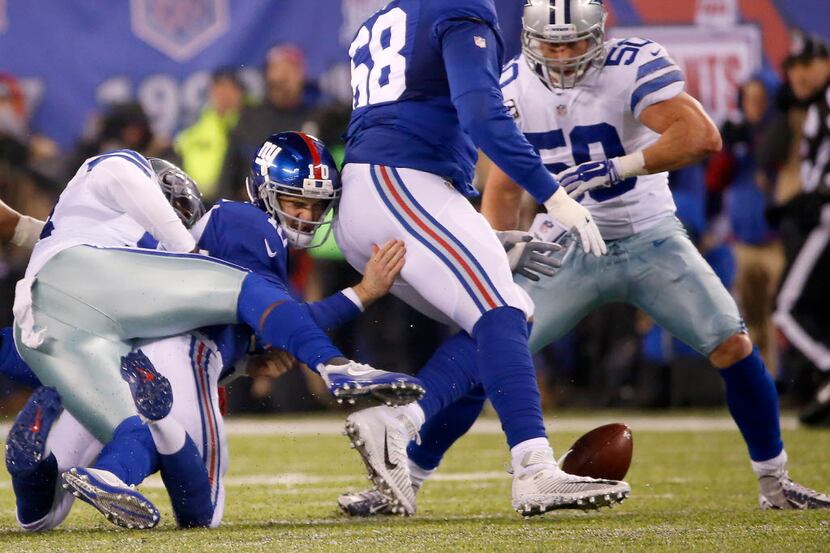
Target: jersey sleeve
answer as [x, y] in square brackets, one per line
[655, 77]
[483, 11]
[127, 184]
[509, 84]
[473, 66]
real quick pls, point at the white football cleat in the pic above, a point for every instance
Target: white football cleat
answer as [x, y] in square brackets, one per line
[123, 505]
[381, 436]
[778, 491]
[548, 487]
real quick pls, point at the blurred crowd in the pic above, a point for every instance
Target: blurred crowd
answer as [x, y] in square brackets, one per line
[754, 210]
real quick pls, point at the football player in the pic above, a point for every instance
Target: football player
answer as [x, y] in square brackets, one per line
[85, 300]
[610, 118]
[194, 363]
[425, 80]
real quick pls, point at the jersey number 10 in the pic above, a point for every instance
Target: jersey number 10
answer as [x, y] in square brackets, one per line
[380, 75]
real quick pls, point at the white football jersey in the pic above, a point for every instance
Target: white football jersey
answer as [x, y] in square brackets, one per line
[112, 200]
[598, 119]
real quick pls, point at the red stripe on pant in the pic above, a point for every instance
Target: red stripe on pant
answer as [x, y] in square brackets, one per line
[492, 304]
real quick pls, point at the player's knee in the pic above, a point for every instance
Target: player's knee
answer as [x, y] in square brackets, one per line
[731, 350]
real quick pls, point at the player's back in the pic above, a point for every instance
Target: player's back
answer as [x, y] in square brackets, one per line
[403, 114]
[88, 212]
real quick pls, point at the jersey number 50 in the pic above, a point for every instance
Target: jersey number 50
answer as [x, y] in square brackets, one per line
[379, 75]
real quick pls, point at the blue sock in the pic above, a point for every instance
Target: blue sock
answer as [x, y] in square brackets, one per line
[441, 431]
[131, 454]
[753, 403]
[508, 375]
[11, 364]
[450, 374]
[282, 323]
[186, 479]
[35, 491]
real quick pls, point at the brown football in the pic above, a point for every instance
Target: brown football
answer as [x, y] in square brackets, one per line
[604, 452]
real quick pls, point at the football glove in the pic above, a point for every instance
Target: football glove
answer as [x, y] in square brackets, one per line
[569, 214]
[589, 175]
[529, 258]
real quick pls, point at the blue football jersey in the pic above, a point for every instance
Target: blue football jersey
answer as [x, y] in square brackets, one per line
[242, 234]
[403, 112]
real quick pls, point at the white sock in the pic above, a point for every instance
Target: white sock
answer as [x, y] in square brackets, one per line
[168, 435]
[518, 451]
[418, 474]
[414, 413]
[770, 466]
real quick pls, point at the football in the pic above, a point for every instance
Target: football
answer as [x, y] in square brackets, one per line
[604, 452]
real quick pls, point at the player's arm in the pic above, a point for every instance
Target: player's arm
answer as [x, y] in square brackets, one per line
[136, 193]
[501, 200]
[379, 274]
[687, 134]
[472, 60]
[21, 230]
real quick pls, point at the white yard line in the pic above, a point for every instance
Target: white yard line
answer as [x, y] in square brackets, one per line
[331, 426]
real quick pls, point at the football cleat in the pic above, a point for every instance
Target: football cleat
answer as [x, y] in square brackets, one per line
[26, 442]
[364, 386]
[548, 488]
[779, 492]
[381, 439]
[123, 505]
[151, 391]
[367, 503]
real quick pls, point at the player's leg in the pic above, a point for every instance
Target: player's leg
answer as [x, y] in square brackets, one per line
[670, 277]
[437, 435]
[582, 284]
[83, 287]
[41, 444]
[456, 263]
[190, 439]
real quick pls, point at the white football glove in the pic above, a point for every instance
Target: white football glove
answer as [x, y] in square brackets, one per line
[567, 212]
[588, 176]
[528, 257]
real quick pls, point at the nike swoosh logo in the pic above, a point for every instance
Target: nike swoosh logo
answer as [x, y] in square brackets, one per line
[656, 52]
[658, 243]
[375, 508]
[389, 464]
[358, 371]
[268, 248]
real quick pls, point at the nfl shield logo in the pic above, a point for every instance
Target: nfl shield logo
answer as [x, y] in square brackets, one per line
[561, 110]
[179, 28]
[481, 42]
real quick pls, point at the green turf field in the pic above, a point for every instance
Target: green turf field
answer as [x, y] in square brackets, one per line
[691, 490]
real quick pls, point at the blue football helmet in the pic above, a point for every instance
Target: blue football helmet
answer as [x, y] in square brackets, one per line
[180, 190]
[294, 165]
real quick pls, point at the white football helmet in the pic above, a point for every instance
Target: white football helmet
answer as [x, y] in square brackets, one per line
[558, 22]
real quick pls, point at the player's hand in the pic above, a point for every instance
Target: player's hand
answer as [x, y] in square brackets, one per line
[381, 271]
[568, 213]
[529, 258]
[271, 364]
[588, 176]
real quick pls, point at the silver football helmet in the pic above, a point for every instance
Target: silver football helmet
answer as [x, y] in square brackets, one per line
[180, 190]
[547, 23]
